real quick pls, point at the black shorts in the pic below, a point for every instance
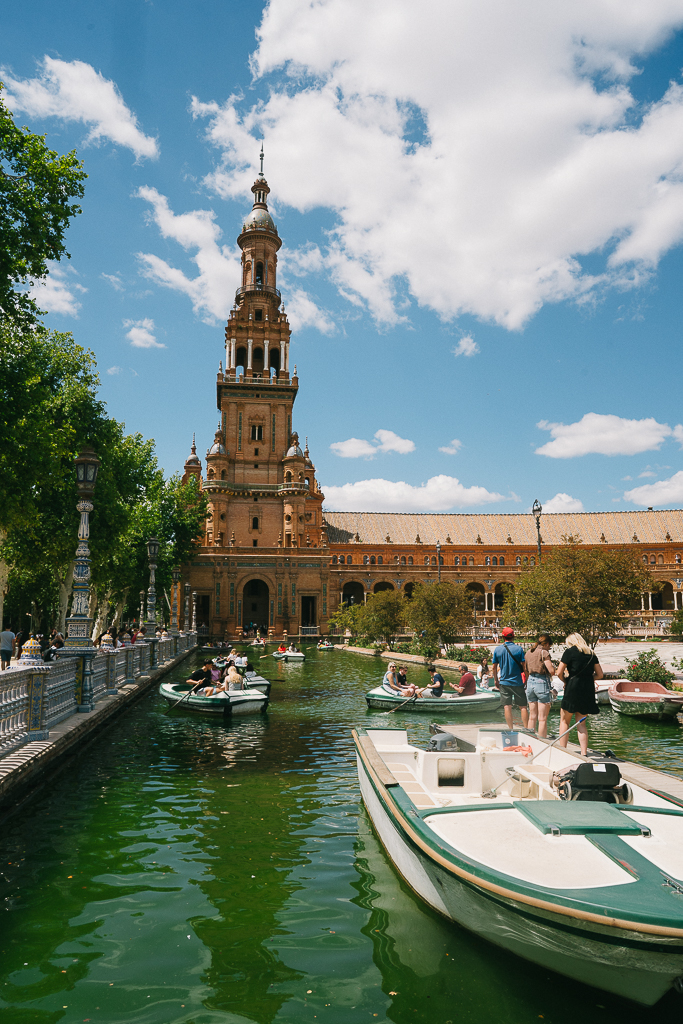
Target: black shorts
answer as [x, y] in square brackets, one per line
[510, 695]
[5, 655]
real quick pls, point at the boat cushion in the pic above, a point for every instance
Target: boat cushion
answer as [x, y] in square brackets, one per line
[572, 818]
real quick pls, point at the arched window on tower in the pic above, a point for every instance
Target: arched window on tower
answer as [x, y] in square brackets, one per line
[380, 560]
[403, 560]
[487, 560]
[274, 360]
[410, 559]
[494, 560]
[426, 559]
[433, 560]
[288, 477]
[501, 560]
[254, 523]
[366, 559]
[334, 559]
[223, 474]
[677, 559]
[660, 559]
[240, 361]
[471, 560]
[456, 560]
[373, 560]
[257, 360]
[518, 560]
[258, 277]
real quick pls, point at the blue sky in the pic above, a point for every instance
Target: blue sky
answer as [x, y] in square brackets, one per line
[482, 231]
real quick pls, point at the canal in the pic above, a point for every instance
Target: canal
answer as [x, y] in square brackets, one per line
[180, 870]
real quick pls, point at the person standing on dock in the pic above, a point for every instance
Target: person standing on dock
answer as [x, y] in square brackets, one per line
[508, 662]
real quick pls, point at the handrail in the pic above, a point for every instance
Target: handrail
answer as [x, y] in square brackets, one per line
[258, 288]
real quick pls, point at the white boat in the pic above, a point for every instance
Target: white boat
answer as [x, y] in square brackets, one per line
[325, 646]
[256, 682]
[588, 886]
[482, 700]
[234, 702]
[258, 643]
[289, 655]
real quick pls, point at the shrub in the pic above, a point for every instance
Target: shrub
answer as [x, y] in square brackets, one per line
[648, 667]
[471, 654]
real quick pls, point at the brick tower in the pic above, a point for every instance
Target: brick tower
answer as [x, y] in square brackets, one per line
[265, 509]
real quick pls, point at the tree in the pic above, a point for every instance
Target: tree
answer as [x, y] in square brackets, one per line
[36, 189]
[384, 614]
[676, 627]
[443, 611]
[349, 618]
[580, 590]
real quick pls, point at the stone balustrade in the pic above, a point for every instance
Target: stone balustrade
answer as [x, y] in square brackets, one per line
[34, 698]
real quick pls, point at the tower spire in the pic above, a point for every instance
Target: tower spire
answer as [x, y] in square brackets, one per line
[261, 174]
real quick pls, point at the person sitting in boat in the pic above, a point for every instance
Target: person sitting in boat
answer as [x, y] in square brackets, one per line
[436, 684]
[467, 685]
[391, 685]
[292, 649]
[202, 677]
[484, 673]
[282, 649]
[233, 680]
[402, 677]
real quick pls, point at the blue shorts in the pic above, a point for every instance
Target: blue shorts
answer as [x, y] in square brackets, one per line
[538, 689]
[6, 655]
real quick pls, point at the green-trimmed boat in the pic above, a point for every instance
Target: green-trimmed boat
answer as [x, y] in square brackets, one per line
[590, 886]
[449, 704]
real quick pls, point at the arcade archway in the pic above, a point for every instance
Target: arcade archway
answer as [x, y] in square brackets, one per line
[255, 596]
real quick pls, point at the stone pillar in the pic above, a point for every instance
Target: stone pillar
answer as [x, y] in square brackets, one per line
[37, 689]
[194, 611]
[286, 357]
[186, 622]
[266, 367]
[642, 602]
[250, 347]
[649, 600]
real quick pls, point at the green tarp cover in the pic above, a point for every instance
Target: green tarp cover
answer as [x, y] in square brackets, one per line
[577, 817]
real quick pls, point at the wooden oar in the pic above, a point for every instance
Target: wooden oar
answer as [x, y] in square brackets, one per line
[184, 697]
[414, 697]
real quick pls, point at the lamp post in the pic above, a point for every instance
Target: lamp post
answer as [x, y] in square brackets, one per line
[78, 641]
[152, 554]
[536, 510]
[194, 611]
[142, 608]
[438, 558]
[174, 607]
[187, 608]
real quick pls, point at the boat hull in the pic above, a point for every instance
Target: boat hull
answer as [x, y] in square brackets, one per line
[631, 964]
[236, 702]
[290, 657]
[659, 711]
[380, 700]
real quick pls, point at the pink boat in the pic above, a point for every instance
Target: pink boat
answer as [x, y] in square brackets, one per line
[648, 700]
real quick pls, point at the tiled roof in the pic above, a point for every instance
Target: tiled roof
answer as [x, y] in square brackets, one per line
[494, 530]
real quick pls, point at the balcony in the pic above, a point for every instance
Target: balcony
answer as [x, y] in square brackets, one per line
[259, 289]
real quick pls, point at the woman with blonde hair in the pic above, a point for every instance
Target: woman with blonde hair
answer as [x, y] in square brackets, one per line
[582, 668]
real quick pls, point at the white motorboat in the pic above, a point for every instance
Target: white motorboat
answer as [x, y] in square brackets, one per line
[575, 864]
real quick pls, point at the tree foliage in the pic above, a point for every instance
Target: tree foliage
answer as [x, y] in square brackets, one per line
[382, 617]
[53, 414]
[442, 611]
[580, 590]
[37, 187]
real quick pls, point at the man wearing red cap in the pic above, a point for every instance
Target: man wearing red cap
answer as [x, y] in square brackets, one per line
[508, 663]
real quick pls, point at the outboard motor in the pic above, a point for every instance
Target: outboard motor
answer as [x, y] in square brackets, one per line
[441, 740]
[599, 782]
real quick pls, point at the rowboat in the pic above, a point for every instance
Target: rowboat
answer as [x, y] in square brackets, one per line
[645, 700]
[576, 871]
[257, 643]
[256, 682]
[482, 700]
[289, 655]
[325, 647]
[235, 702]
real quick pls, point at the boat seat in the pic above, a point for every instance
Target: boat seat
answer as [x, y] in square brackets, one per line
[410, 785]
[569, 818]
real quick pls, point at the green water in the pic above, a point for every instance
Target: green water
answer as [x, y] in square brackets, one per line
[181, 870]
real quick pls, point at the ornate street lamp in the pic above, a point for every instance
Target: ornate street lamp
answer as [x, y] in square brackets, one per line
[536, 510]
[78, 641]
[438, 558]
[194, 611]
[152, 554]
[174, 606]
[142, 608]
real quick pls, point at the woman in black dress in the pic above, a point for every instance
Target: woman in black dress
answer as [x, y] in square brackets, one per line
[582, 667]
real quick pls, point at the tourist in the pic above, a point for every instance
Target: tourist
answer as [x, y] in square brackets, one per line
[233, 679]
[402, 676]
[539, 695]
[391, 685]
[484, 673]
[201, 677]
[8, 642]
[467, 685]
[436, 683]
[508, 663]
[582, 668]
[282, 649]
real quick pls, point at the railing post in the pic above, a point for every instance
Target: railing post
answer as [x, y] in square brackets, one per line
[37, 703]
[110, 677]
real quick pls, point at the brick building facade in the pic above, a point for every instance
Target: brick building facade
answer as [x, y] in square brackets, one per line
[271, 558]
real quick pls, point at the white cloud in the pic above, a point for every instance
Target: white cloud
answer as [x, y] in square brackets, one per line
[467, 346]
[113, 371]
[386, 441]
[303, 312]
[453, 448]
[114, 280]
[664, 492]
[57, 292]
[563, 503]
[439, 494]
[518, 141]
[74, 91]
[354, 448]
[678, 433]
[646, 473]
[391, 442]
[596, 434]
[140, 333]
[212, 290]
